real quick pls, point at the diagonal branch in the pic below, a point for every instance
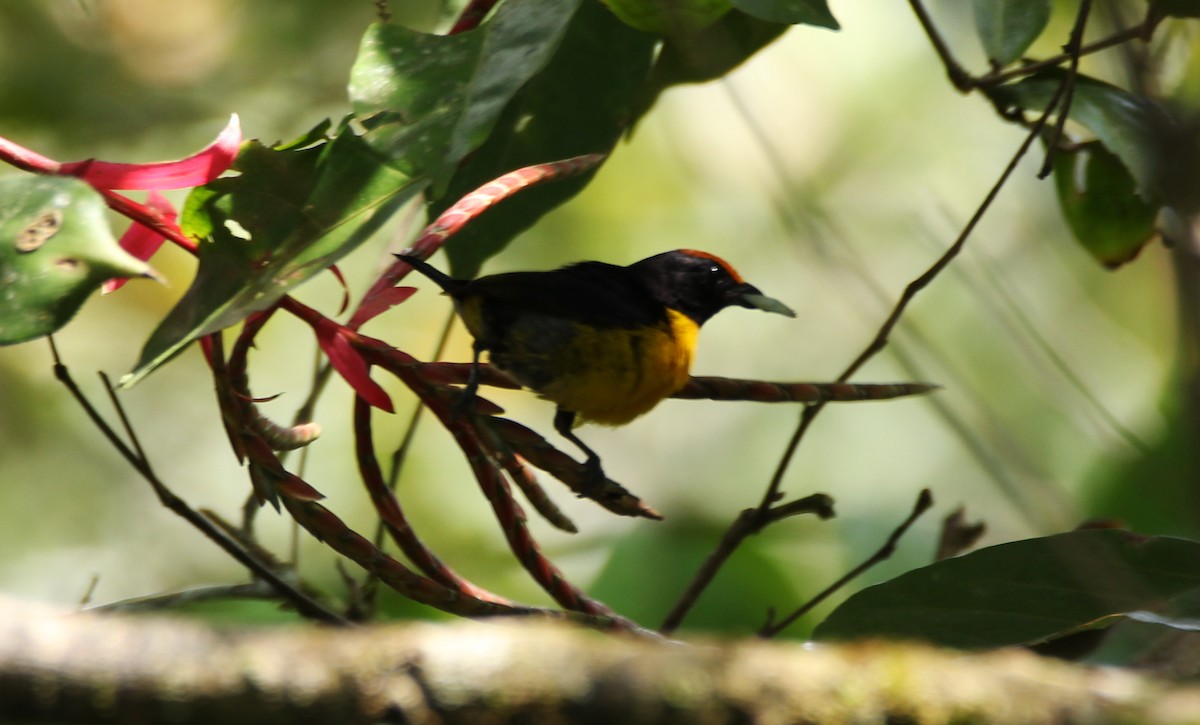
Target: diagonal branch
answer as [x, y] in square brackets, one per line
[923, 504]
[754, 520]
[304, 604]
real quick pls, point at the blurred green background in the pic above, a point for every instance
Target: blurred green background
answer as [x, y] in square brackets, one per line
[831, 169]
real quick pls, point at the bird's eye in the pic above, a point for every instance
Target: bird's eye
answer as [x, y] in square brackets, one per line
[714, 269]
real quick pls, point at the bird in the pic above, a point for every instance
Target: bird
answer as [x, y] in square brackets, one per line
[605, 343]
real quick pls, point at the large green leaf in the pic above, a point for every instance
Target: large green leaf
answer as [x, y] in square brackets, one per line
[792, 12]
[55, 250]
[581, 102]
[1098, 199]
[293, 211]
[1023, 592]
[435, 98]
[1131, 126]
[1008, 27]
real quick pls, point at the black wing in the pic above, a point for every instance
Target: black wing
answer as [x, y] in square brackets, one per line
[596, 293]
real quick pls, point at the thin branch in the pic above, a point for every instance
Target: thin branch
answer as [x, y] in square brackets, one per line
[1072, 49]
[400, 455]
[1140, 31]
[753, 520]
[749, 522]
[257, 590]
[304, 604]
[391, 514]
[958, 77]
[910, 292]
[923, 504]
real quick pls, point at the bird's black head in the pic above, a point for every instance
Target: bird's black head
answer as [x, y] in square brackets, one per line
[700, 285]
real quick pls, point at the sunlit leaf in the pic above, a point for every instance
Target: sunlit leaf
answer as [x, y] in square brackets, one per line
[1008, 27]
[436, 97]
[1099, 200]
[1022, 592]
[291, 213]
[55, 250]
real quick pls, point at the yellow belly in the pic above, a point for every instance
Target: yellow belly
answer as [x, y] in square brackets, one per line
[617, 383]
[604, 375]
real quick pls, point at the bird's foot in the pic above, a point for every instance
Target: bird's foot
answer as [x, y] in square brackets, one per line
[463, 405]
[594, 479]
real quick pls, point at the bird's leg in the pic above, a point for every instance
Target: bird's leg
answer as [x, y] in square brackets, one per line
[564, 420]
[466, 399]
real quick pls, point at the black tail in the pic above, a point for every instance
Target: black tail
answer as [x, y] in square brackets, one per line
[448, 284]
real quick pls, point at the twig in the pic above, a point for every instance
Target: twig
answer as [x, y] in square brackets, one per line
[923, 504]
[487, 474]
[965, 82]
[743, 526]
[400, 455]
[747, 523]
[910, 291]
[86, 598]
[1072, 49]
[382, 13]
[1140, 31]
[959, 77]
[304, 604]
[957, 535]
[391, 514]
[156, 602]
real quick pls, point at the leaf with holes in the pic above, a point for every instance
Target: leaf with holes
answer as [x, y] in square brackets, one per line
[55, 250]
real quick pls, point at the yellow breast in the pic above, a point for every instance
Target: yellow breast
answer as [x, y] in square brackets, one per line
[618, 375]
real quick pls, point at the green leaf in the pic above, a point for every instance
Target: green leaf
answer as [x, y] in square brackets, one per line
[581, 102]
[55, 250]
[1100, 203]
[1008, 27]
[1022, 592]
[792, 12]
[438, 96]
[292, 212]
[1130, 126]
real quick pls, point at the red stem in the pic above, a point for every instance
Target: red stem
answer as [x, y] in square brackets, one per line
[28, 160]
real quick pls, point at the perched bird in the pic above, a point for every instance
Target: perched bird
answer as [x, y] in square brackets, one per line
[605, 343]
